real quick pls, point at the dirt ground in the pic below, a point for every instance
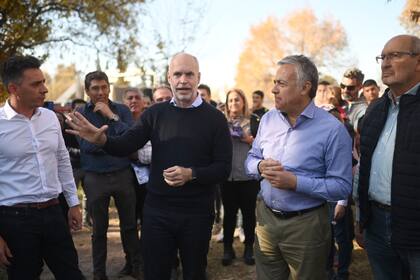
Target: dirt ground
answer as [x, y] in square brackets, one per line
[238, 270]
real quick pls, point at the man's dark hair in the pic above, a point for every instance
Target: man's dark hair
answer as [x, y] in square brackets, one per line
[77, 101]
[369, 83]
[13, 68]
[324, 83]
[206, 87]
[259, 92]
[147, 92]
[95, 75]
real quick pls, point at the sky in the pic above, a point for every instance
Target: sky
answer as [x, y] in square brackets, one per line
[226, 24]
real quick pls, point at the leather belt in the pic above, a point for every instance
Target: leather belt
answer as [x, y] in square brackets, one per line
[380, 205]
[37, 205]
[290, 214]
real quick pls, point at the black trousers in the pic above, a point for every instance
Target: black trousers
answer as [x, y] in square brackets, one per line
[239, 195]
[99, 189]
[34, 235]
[217, 204]
[140, 197]
[166, 232]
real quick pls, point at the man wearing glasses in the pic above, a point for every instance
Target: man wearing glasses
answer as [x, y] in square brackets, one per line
[389, 168]
[350, 86]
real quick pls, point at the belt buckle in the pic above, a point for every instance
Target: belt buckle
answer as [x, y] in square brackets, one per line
[39, 205]
[279, 212]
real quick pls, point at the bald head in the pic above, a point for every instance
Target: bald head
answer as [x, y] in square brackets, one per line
[410, 41]
[184, 77]
[401, 63]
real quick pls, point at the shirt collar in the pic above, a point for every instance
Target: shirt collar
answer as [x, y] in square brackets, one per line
[11, 113]
[411, 91]
[309, 110]
[197, 102]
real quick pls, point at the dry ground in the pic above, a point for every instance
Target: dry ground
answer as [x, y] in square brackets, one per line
[238, 270]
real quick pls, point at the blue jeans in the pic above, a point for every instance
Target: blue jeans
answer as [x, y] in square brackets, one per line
[387, 262]
[343, 232]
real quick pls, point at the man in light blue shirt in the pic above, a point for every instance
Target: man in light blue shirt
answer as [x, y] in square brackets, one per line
[303, 156]
[388, 185]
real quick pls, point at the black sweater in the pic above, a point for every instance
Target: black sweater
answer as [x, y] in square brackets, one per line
[188, 137]
[405, 182]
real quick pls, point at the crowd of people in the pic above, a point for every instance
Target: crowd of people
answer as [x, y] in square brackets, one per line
[184, 167]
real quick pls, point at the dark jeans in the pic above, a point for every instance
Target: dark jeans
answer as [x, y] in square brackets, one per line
[343, 232]
[387, 262]
[239, 195]
[140, 197]
[99, 189]
[217, 204]
[165, 232]
[34, 235]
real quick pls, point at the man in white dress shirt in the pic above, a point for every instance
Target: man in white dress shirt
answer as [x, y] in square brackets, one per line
[35, 168]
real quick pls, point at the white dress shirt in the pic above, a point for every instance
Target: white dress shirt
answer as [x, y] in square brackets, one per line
[34, 162]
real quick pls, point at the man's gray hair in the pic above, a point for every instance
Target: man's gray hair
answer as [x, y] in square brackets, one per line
[133, 89]
[415, 44]
[305, 71]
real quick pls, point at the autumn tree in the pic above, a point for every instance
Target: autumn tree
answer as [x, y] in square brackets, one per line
[321, 40]
[257, 62]
[410, 17]
[299, 33]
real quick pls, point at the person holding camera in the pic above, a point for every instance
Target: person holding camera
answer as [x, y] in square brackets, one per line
[239, 191]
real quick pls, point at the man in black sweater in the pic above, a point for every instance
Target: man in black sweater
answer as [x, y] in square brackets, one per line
[389, 166]
[192, 152]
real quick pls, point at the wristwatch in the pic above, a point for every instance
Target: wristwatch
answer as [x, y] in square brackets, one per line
[114, 118]
[193, 174]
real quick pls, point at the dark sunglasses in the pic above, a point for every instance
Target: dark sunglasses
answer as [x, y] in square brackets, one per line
[343, 86]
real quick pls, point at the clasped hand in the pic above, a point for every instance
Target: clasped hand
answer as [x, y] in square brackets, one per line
[273, 172]
[177, 176]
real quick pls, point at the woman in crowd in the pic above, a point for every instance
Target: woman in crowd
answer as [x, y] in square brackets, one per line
[239, 191]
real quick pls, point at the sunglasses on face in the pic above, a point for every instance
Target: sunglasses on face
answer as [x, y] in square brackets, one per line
[343, 86]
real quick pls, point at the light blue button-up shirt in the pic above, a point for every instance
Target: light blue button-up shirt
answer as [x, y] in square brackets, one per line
[34, 162]
[318, 150]
[197, 101]
[382, 158]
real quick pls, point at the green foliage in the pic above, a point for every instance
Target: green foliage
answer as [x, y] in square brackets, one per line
[106, 25]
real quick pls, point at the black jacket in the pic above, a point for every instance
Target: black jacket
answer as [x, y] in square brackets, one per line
[405, 182]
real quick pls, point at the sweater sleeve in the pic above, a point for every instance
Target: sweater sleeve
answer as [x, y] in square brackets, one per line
[132, 140]
[219, 170]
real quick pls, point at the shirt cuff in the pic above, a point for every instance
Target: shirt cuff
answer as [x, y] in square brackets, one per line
[71, 197]
[252, 167]
[342, 202]
[303, 184]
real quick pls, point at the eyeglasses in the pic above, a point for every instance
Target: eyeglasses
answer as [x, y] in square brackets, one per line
[393, 56]
[351, 88]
